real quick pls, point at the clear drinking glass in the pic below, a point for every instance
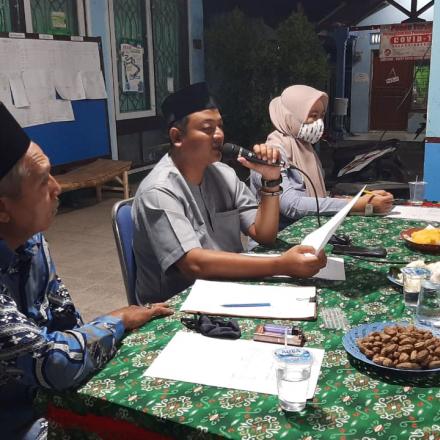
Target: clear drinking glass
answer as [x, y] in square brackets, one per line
[412, 284]
[416, 192]
[428, 306]
[293, 366]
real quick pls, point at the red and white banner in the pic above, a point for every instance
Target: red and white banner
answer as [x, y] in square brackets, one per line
[405, 42]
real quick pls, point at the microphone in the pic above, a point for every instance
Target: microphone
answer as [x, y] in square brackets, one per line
[233, 150]
[342, 242]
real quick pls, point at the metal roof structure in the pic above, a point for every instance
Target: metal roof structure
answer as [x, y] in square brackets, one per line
[325, 14]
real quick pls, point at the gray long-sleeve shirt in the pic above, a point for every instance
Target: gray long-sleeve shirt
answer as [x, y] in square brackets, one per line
[294, 201]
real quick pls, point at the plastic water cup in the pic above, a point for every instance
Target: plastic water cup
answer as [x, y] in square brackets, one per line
[428, 306]
[416, 192]
[293, 366]
[412, 284]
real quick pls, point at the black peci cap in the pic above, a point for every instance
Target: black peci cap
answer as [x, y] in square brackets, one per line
[191, 99]
[14, 142]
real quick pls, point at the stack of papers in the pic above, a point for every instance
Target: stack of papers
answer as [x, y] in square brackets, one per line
[256, 301]
[239, 364]
[415, 213]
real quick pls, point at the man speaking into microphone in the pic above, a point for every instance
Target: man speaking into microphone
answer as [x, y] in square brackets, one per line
[189, 211]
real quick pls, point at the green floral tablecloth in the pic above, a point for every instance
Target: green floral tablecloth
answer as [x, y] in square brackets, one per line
[347, 403]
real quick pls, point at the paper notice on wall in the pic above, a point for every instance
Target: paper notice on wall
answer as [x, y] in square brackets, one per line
[60, 111]
[39, 85]
[18, 90]
[361, 77]
[58, 19]
[405, 41]
[93, 83]
[69, 85]
[5, 90]
[132, 67]
[29, 116]
[38, 113]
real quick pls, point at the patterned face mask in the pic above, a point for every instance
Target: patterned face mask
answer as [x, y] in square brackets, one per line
[311, 132]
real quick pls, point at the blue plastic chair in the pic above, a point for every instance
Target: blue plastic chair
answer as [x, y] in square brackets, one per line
[123, 231]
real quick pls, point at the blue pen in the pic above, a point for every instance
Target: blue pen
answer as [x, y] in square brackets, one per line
[247, 305]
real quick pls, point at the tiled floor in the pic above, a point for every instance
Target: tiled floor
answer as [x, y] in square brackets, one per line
[83, 248]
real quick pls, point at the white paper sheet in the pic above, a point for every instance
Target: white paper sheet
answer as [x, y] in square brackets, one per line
[60, 111]
[286, 302]
[94, 86]
[239, 364]
[415, 213]
[334, 270]
[11, 50]
[5, 90]
[69, 84]
[39, 85]
[38, 113]
[320, 237]
[18, 90]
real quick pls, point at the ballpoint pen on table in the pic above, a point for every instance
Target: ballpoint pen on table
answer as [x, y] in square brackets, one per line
[247, 305]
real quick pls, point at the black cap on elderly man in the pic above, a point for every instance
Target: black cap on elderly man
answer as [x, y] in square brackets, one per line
[14, 142]
[191, 99]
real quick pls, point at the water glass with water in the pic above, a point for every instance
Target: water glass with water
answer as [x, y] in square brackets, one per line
[412, 284]
[416, 192]
[293, 366]
[428, 306]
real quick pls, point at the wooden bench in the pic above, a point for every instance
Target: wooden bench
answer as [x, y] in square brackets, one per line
[96, 174]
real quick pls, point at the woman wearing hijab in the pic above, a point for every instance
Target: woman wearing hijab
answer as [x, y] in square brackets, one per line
[298, 114]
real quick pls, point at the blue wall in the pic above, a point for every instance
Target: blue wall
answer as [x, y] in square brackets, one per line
[360, 82]
[98, 26]
[432, 149]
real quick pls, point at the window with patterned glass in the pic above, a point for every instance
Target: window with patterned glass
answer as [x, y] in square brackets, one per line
[5, 16]
[167, 17]
[131, 36]
[420, 86]
[57, 17]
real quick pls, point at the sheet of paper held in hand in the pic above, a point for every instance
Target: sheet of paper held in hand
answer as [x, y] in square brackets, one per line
[263, 301]
[240, 364]
[320, 237]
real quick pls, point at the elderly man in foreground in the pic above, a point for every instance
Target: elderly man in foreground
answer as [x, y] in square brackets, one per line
[43, 341]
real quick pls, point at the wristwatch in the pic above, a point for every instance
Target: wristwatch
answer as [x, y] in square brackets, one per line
[369, 208]
[270, 183]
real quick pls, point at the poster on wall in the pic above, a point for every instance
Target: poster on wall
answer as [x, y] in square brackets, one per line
[405, 42]
[132, 67]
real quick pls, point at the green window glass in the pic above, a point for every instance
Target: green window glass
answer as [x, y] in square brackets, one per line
[420, 87]
[57, 17]
[131, 28]
[166, 17]
[5, 16]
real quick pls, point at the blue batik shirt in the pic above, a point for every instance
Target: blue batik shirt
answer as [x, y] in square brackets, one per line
[43, 342]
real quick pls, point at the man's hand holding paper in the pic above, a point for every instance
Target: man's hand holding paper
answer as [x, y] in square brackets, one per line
[303, 261]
